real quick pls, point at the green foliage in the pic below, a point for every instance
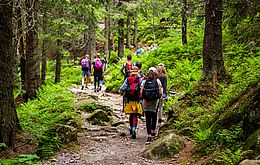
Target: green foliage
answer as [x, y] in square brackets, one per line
[22, 159]
[229, 137]
[3, 145]
[40, 116]
[230, 157]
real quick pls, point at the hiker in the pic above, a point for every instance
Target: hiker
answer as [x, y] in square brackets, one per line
[127, 67]
[132, 106]
[139, 51]
[104, 61]
[151, 92]
[162, 75]
[98, 73]
[86, 70]
[139, 66]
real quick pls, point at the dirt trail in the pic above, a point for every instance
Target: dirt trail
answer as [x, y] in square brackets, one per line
[107, 144]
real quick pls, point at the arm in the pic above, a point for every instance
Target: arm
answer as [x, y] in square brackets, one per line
[123, 87]
[122, 70]
[164, 84]
[160, 87]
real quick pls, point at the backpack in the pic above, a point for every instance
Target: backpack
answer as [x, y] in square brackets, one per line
[133, 88]
[98, 65]
[128, 68]
[84, 63]
[151, 90]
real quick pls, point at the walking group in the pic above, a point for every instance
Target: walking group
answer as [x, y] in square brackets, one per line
[98, 67]
[144, 95]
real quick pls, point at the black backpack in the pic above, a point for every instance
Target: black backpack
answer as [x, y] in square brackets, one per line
[133, 88]
[151, 90]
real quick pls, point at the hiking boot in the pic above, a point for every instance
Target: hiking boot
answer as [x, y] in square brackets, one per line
[100, 87]
[133, 135]
[82, 87]
[95, 90]
[153, 133]
[131, 132]
[160, 120]
[149, 140]
[86, 87]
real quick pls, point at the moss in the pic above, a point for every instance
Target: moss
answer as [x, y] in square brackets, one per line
[165, 147]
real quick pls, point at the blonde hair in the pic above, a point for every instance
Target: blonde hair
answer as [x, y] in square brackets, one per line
[161, 70]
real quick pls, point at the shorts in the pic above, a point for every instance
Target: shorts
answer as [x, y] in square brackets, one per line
[85, 72]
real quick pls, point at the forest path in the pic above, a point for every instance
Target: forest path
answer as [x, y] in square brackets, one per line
[107, 144]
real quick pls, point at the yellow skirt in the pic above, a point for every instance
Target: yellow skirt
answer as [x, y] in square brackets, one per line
[133, 107]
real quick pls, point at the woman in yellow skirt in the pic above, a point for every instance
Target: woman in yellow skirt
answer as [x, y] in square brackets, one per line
[132, 105]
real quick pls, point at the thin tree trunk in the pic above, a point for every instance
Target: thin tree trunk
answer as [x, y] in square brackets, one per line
[135, 29]
[58, 62]
[213, 63]
[21, 37]
[121, 38]
[184, 22]
[128, 37]
[106, 36]
[8, 117]
[32, 62]
[44, 61]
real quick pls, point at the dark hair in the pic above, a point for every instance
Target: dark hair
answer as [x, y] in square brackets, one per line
[138, 64]
[129, 57]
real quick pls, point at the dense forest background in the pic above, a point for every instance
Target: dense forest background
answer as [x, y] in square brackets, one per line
[210, 49]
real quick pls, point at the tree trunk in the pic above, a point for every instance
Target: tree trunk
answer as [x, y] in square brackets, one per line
[43, 71]
[106, 36]
[121, 38]
[58, 62]
[128, 37]
[32, 62]
[184, 22]
[7, 55]
[135, 29]
[213, 63]
[21, 45]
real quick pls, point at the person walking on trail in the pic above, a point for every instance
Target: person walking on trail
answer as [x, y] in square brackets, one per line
[132, 106]
[98, 73]
[162, 75]
[86, 70]
[127, 67]
[151, 92]
[139, 66]
[104, 61]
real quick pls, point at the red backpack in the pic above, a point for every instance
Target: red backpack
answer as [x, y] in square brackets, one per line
[133, 88]
[128, 67]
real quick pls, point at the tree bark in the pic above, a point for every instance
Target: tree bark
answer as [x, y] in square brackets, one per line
[121, 38]
[128, 36]
[135, 29]
[21, 39]
[32, 61]
[213, 63]
[58, 62]
[106, 36]
[7, 58]
[44, 61]
[184, 22]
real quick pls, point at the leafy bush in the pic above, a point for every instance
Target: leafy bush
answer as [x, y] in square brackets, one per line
[39, 116]
[21, 159]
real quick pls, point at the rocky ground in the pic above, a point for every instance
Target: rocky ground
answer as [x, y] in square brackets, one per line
[110, 144]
